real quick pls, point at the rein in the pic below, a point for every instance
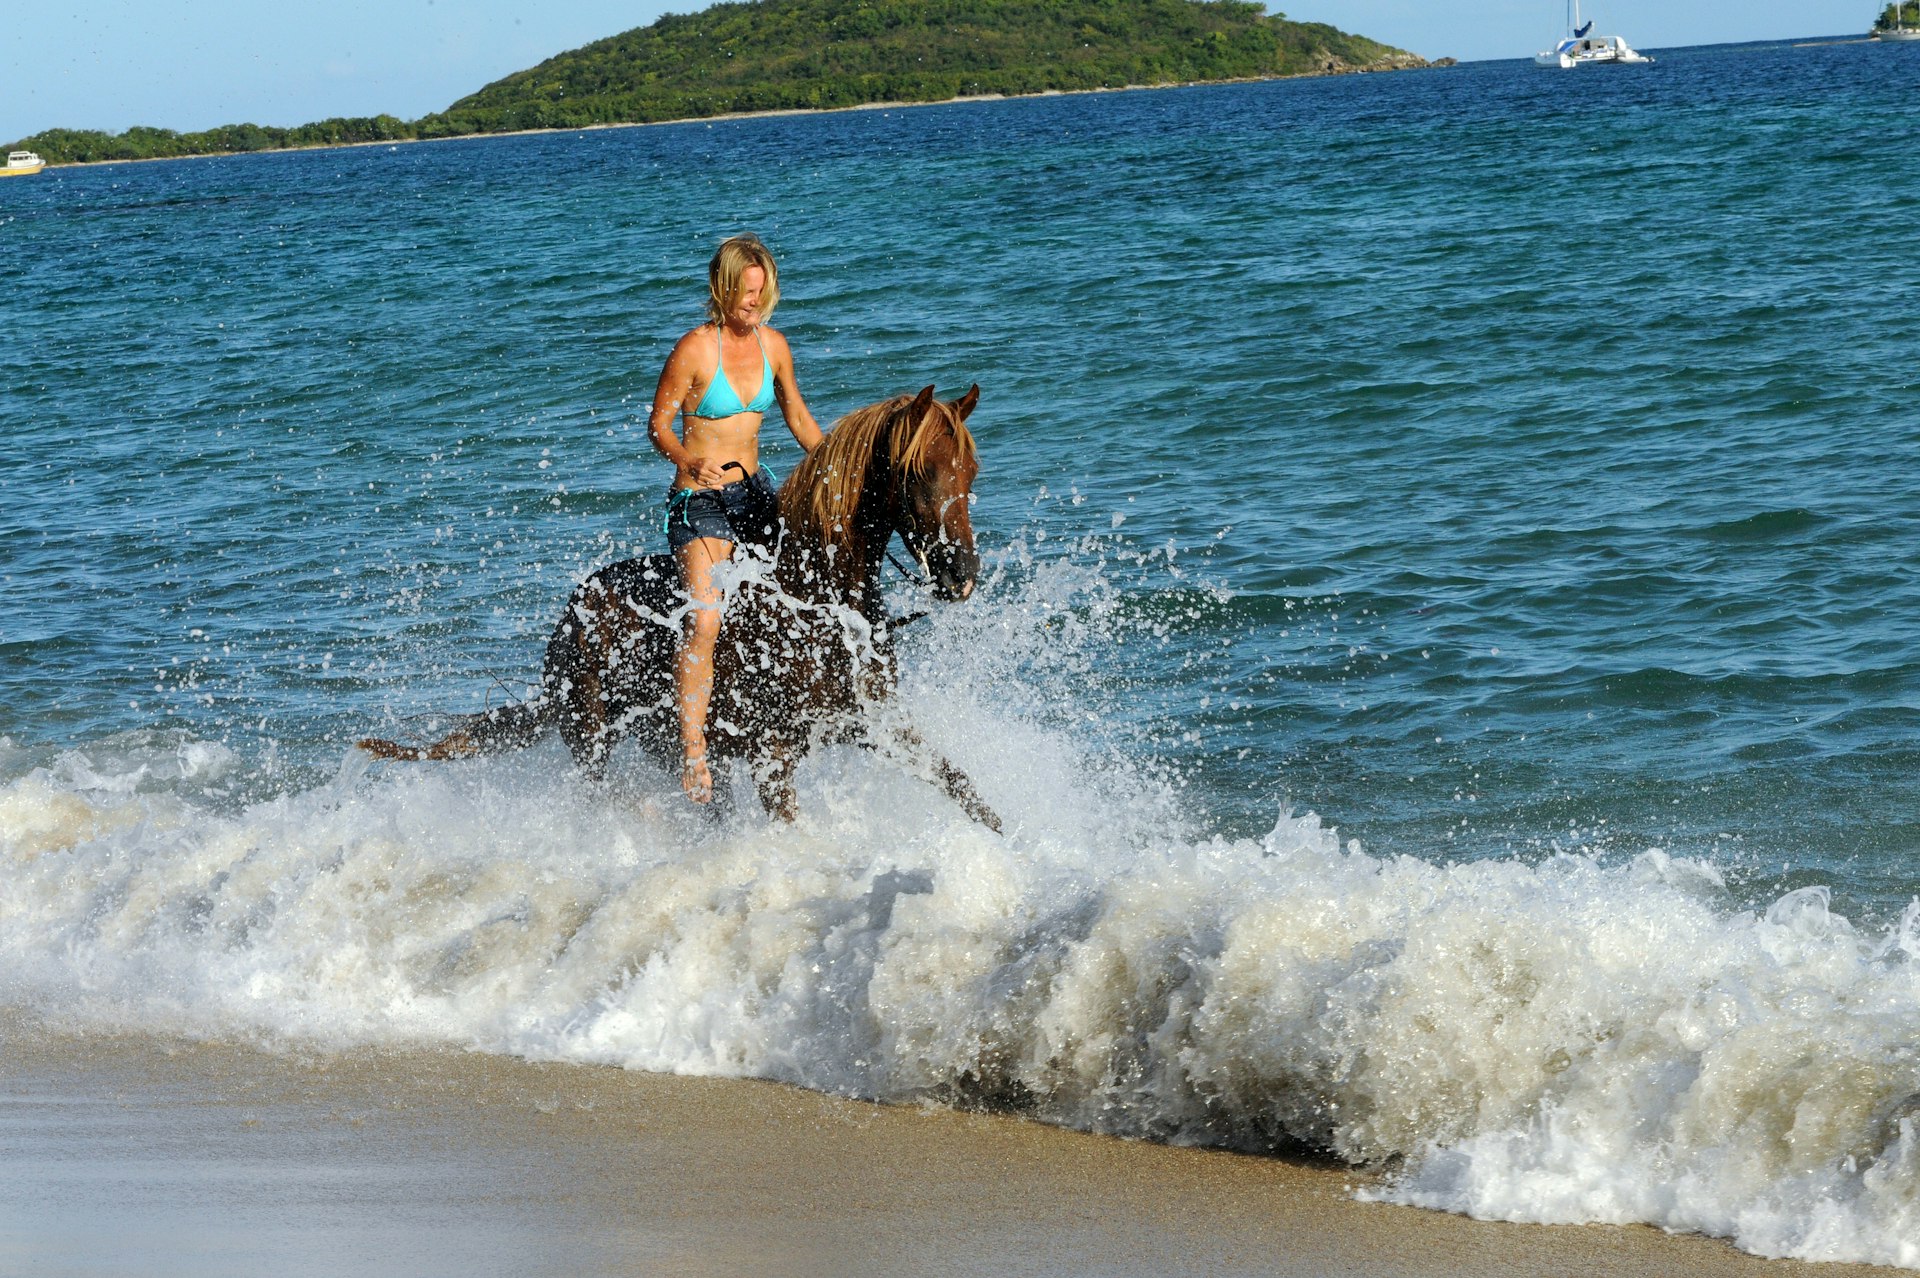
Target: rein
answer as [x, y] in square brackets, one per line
[894, 623]
[906, 571]
[897, 623]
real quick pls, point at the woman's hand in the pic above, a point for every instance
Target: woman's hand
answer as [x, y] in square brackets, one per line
[705, 472]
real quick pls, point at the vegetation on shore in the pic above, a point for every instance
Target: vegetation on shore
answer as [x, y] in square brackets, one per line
[765, 55]
[1904, 14]
[79, 146]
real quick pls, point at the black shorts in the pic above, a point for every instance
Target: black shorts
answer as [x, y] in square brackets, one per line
[744, 510]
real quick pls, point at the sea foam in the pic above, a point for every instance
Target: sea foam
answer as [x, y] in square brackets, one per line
[1569, 1038]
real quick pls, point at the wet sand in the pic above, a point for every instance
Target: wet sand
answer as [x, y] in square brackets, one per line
[146, 1156]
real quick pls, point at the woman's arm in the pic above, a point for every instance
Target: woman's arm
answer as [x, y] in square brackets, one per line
[786, 389]
[676, 383]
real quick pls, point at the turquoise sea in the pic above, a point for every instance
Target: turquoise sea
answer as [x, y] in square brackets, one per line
[1449, 652]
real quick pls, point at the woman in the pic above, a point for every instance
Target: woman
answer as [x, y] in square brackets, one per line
[723, 376]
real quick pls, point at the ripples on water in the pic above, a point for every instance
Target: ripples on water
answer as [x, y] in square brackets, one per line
[1495, 463]
[1580, 401]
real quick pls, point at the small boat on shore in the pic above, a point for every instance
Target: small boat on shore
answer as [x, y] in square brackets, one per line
[21, 163]
[1582, 48]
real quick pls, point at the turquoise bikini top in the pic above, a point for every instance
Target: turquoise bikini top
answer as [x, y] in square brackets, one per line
[721, 400]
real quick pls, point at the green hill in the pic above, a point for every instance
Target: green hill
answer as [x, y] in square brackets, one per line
[785, 54]
[766, 55]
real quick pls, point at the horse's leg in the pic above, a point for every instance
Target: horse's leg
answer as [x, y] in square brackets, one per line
[584, 727]
[576, 680]
[773, 777]
[957, 784]
[720, 806]
[959, 788]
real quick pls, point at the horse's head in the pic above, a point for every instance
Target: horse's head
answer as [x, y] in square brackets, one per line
[904, 465]
[934, 493]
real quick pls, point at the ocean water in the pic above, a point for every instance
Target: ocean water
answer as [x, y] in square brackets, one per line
[1448, 655]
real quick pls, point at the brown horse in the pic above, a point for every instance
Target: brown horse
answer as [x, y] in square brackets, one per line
[805, 651]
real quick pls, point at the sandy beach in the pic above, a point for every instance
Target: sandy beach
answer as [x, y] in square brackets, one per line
[158, 1156]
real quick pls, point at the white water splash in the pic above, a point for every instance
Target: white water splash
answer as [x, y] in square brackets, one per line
[1566, 1040]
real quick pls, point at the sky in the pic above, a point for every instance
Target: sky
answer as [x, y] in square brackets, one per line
[111, 64]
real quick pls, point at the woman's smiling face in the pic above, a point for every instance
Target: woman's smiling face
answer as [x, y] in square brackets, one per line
[746, 307]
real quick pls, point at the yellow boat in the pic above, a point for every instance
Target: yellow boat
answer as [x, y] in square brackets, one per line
[21, 163]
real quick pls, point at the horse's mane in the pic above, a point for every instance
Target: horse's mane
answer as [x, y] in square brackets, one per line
[819, 498]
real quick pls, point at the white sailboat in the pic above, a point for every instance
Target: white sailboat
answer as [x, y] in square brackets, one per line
[1582, 48]
[1899, 30]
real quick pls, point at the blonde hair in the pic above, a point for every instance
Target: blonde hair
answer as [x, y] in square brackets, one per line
[724, 272]
[819, 499]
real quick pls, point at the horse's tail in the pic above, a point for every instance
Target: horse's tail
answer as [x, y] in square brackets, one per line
[510, 727]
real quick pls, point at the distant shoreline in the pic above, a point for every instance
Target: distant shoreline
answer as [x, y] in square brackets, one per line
[1423, 65]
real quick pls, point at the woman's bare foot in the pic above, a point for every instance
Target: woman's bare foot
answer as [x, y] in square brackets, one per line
[696, 779]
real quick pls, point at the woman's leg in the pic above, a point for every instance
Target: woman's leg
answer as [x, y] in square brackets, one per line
[693, 666]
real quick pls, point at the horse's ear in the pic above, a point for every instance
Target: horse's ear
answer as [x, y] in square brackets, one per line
[965, 403]
[921, 403]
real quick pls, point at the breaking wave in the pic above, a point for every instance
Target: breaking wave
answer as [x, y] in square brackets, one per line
[1584, 1036]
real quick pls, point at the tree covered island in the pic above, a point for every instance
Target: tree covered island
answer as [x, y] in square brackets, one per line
[1894, 16]
[770, 55]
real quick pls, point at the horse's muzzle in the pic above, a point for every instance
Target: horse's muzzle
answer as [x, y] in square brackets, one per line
[953, 570]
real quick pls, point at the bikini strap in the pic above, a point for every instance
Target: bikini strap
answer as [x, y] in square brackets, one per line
[676, 505]
[766, 364]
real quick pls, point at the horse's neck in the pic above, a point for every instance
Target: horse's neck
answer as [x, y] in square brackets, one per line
[848, 577]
